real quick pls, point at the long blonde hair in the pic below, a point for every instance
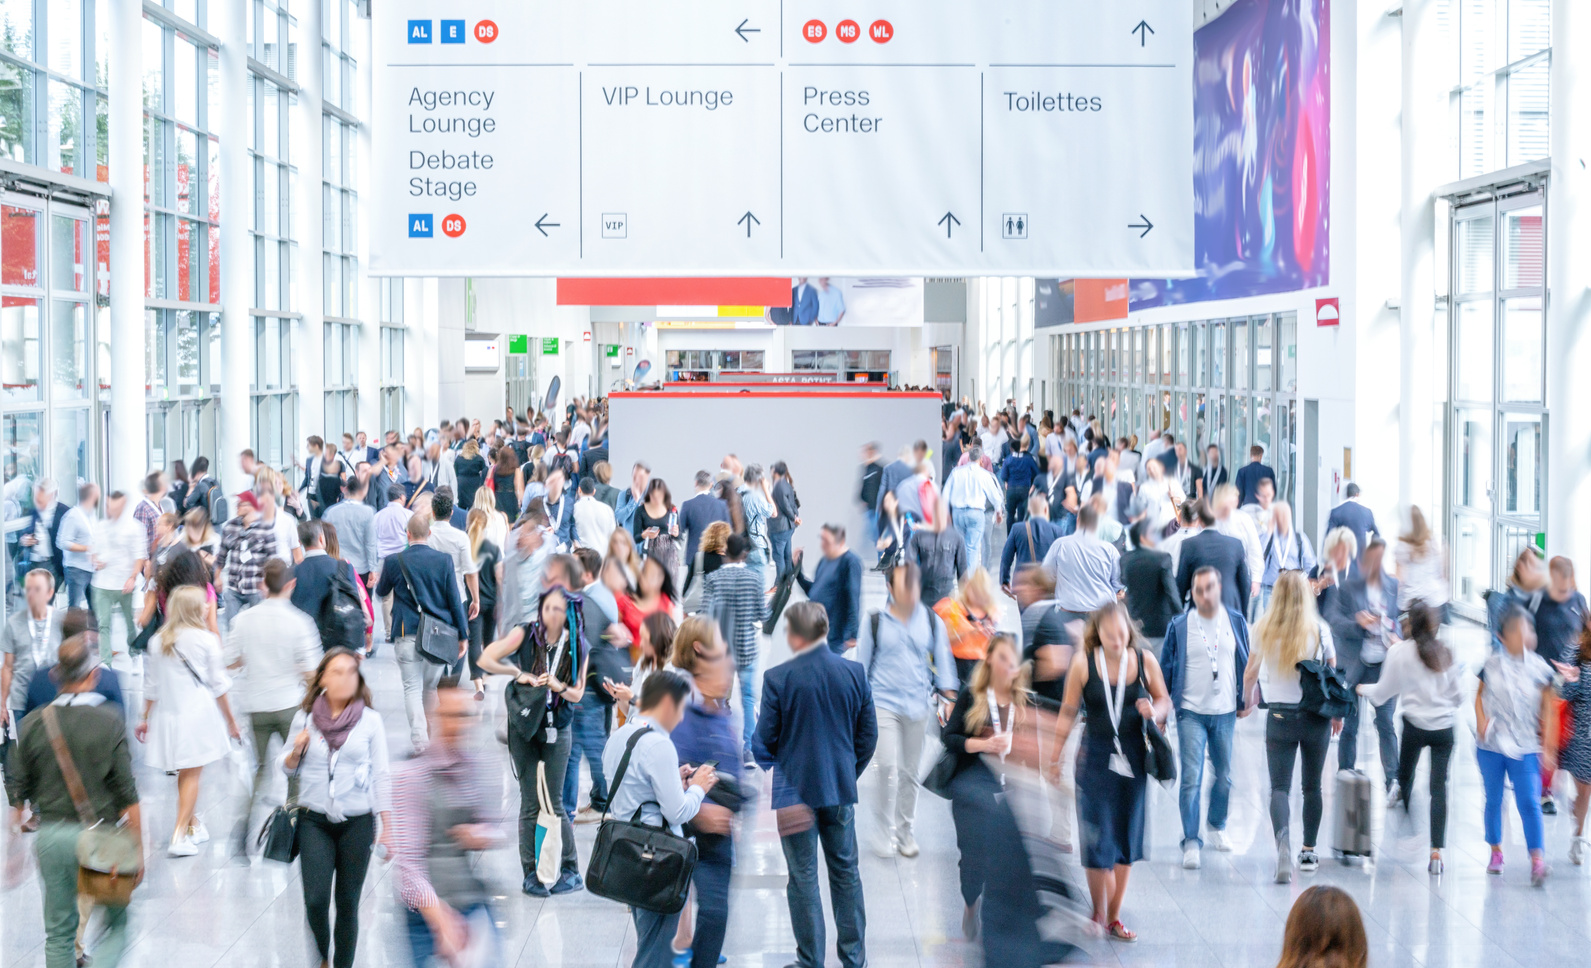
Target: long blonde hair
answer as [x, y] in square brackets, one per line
[978, 712]
[693, 633]
[475, 527]
[1289, 631]
[186, 608]
[980, 586]
[1418, 537]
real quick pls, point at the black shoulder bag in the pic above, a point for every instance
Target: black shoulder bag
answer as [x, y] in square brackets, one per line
[636, 864]
[436, 641]
[1159, 761]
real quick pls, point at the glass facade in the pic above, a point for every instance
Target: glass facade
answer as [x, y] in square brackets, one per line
[1499, 61]
[1230, 383]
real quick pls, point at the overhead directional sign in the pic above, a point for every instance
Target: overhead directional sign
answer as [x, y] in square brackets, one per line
[723, 137]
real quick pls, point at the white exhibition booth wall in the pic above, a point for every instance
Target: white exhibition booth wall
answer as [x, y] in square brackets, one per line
[819, 435]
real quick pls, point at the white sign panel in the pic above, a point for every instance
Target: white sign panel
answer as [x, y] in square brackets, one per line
[912, 137]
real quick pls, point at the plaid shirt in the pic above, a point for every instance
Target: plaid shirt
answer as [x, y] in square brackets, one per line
[148, 515]
[469, 782]
[738, 591]
[246, 548]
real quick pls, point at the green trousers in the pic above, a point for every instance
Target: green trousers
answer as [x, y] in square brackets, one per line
[107, 601]
[55, 845]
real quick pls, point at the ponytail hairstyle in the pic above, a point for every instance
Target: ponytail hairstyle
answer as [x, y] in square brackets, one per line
[783, 470]
[1421, 625]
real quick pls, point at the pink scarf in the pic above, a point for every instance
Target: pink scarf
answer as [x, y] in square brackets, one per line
[336, 730]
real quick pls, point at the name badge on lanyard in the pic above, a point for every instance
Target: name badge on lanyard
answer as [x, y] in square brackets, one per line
[1113, 704]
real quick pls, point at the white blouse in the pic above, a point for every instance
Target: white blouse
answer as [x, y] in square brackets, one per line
[354, 781]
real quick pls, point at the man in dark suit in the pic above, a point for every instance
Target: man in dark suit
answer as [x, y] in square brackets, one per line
[1028, 541]
[1180, 469]
[596, 451]
[803, 303]
[695, 514]
[420, 580]
[1211, 476]
[1353, 515]
[1152, 597]
[1209, 547]
[1363, 618]
[817, 731]
[40, 547]
[1250, 474]
[312, 576]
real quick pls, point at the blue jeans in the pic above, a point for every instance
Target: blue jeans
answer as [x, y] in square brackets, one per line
[654, 936]
[715, 862]
[782, 563]
[232, 604]
[1525, 773]
[1196, 734]
[1066, 523]
[971, 523]
[1386, 729]
[748, 701]
[589, 730]
[421, 944]
[835, 828]
[77, 580]
[870, 529]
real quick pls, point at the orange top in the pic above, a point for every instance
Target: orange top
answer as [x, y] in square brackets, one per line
[969, 635]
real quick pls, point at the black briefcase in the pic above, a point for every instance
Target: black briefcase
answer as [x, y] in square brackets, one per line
[637, 864]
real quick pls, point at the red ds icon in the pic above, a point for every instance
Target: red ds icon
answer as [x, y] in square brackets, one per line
[486, 31]
[453, 226]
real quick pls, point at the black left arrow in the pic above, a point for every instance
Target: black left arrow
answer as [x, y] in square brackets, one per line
[1146, 225]
[748, 220]
[949, 221]
[542, 225]
[743, 30]
[1143, 30]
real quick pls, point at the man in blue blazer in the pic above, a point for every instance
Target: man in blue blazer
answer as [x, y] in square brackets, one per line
[1203, 657]
[420, 580]
[817, 731]
[1353, 515]
[560, 507]
[1363, 618]
[695, 514]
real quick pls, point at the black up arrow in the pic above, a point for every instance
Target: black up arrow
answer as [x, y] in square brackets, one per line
[747, 220]
[1143, 30]
[542, 225]
[949, 222]
[743, 30]
[1146, 225]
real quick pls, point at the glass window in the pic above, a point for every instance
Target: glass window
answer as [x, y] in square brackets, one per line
[22, 436]
[16, 113]
[16, 27]
[1475, 242]
[1528, 101]
[1473, 346]
[1471, 559]
[1240, 413]
[1184, 335]
[1524, 249]
[66, 37]
[1522, 341]
[1288, 377]
[69, 244]
[1218, 362]
[1198, 337]
[21, 350]
[70, 463]
[1240, 354]
[69, 342]
[1263, 419]
[1523, 480]
[1473, 436]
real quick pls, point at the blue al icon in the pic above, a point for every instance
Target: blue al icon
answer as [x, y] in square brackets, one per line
[420, 31]
[420, 226]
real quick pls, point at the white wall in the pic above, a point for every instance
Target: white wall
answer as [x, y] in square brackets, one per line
[819, 435]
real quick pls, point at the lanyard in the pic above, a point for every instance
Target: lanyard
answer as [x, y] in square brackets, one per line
[1113, 702]
[994, 715]
[1211, 650]
[39, 636]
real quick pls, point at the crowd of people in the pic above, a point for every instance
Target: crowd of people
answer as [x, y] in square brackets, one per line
[626, 633]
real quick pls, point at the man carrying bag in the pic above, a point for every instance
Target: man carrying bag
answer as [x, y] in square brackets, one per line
[73, 764]
[430, 630]
[640, 858]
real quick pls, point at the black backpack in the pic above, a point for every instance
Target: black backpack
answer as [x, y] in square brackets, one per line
[342, 618]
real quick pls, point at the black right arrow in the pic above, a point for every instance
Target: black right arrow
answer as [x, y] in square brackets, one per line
[1146, 225]
[949, 221]
[542, 225]
[743, 30]
[747, 219]
[1143, 30]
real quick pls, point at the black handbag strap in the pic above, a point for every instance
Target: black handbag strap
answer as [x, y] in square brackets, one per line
[624, 765]
[419, 606]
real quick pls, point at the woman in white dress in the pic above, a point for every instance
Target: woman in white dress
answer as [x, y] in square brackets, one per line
[186, 718]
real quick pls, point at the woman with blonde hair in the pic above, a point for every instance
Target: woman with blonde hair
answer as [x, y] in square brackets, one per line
[186, 719]
[1421, 566]
[488, 554]
[1337, 555]
[496, 521]
[715, 545]
[621, 546]
[470, 469]
[1288, 633]
[698, 638]
[1120, 687]
[972, 617]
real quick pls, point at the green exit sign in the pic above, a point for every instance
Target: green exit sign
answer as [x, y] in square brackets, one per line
[519, 344]
[611, 350]
[549, 346]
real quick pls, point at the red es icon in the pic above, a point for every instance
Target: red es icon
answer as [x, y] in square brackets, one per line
[486, 31]
[881, 31]
[814, 31]
[848, 31]
[453, 226]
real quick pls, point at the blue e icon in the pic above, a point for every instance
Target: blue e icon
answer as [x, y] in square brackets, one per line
[453, 32]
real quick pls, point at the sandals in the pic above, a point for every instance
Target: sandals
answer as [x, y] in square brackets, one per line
[1119, 932]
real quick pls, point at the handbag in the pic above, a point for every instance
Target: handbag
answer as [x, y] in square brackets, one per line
[549, 832]
[637, 864]
[937, 779]
[436, 641]
[1325, 689]
[140, 643]
[278, 839]
[110, 857]
[1159, 762]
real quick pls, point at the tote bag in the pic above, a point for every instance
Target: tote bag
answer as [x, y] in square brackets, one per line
[549, 833]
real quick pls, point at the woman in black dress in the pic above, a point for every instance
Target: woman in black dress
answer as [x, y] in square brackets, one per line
[470, 469]
[1119, 685]
[508, 484]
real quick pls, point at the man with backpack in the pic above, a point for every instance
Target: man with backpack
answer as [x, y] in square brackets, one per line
[906, 652]
[324, 591]
[278, 647]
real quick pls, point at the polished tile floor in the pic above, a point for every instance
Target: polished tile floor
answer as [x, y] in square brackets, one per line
[206, 910]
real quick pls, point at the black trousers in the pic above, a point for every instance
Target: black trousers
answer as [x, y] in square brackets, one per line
[1016, 507]
[333, 859]
[1440, 743]
[1290, 733]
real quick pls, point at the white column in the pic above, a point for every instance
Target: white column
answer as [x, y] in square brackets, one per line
[237, 250]
[128, 427]
[310, 366]
[1569, 289]
[1423, 137]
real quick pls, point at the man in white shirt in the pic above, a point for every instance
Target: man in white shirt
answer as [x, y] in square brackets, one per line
[119, 551]
[1085, 569]
[277, 648]
[288, 549]
[594, 520]
[455, 544]
[1241, 527]
[1188, 526]
[971, 491]
[1261, 511]
[391, 528]
[1203, 656]
[831, 303]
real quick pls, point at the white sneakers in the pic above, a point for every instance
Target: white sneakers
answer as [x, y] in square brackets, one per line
[1577, 851]
[1191, 859]
[907, 845]
[1394, 795]
[197, 831]
[1217, 841]
[182, 846]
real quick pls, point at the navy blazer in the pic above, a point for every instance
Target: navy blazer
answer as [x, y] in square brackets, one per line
[1020, 551]
[564, 527]
[434, 584]
[313, 582]
[804, 304]
[1355, 517]
[1174, 661]
[1248, 481]
[1152, 596]
[1225, 555]
[695, 515]
[816, 727]
[1347, 635]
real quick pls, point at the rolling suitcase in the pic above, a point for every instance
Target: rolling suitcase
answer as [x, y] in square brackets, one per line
[1355, 792]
